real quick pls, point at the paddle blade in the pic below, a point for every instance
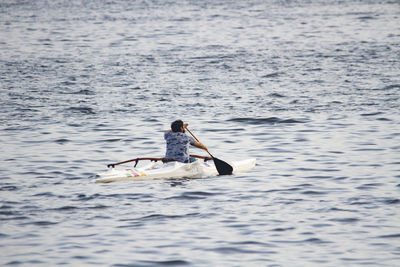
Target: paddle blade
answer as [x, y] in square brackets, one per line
[223, 168]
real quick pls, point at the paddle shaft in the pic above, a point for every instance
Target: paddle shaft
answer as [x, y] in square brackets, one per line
[199, 141]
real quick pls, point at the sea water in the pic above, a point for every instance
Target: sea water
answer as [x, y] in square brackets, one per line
[309, 88]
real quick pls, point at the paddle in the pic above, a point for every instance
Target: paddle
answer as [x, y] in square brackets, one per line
[223, 168]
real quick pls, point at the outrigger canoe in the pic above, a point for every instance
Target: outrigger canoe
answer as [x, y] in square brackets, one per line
[170, 170]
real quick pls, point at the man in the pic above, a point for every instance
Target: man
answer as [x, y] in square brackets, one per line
[178, 143]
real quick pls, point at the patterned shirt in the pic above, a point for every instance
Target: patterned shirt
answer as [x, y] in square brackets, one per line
[178, 146]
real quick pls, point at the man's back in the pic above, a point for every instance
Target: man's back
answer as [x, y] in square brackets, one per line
[178, 146]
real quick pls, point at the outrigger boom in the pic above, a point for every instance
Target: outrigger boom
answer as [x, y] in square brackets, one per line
[165, 160]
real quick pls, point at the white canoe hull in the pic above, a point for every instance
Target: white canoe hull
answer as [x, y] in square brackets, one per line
[171, 170]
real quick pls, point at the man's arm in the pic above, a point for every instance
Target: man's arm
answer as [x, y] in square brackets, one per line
[200, 145]
[197, 144]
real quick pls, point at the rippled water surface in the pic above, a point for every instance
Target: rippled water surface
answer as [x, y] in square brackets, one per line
[309, 88]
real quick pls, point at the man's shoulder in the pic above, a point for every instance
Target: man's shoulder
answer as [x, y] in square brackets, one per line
[175, 135]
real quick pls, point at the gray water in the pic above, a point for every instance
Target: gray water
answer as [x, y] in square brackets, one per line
[309, 88]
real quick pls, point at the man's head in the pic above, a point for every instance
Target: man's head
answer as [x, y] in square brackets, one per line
[177, 126]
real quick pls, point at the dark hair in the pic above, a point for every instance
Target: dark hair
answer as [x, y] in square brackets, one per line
[176, 126]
